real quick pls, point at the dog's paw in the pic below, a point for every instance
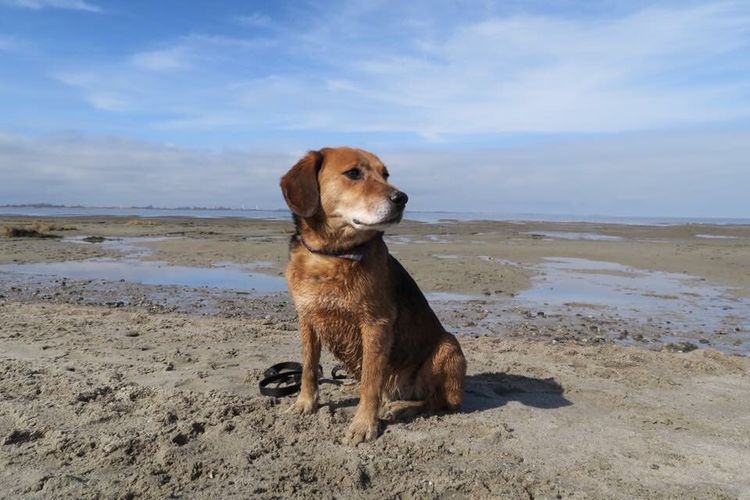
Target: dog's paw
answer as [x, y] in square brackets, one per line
[362, 430]
[303, 407]
[390, 414]
[396, 411]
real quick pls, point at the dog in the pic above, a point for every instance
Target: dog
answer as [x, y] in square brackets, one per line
[357, 300]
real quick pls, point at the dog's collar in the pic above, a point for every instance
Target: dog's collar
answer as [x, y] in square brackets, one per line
[355, 254]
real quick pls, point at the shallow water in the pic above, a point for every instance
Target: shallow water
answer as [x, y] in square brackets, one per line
[593, 301]
[452, 297]
[715, 237]
[693, 308]
[398, 239]
[130, 247]
[571, 235]
[227, 276]
[131, 268]
[679, 298]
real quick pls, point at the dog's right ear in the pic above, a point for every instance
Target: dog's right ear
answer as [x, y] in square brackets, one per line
[300, 185]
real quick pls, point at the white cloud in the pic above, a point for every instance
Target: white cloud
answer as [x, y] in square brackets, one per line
[391, 71]
[81, 5]
[108, 101]
[110, 171]
[701, 173]
[8, 44]
[255, 20]
[655, 68]
[171, 59]
[544, 74]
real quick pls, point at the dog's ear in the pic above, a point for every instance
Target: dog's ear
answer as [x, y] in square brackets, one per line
[300, 185]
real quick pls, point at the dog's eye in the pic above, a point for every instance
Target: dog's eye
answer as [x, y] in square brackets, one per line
[354, 174]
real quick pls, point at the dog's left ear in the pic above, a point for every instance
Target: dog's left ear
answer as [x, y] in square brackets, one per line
[300, 185]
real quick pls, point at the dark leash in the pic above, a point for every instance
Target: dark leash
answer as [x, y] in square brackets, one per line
[285, 379]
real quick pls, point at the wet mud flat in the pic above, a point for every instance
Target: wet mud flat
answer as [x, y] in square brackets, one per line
[126, 387]
[565, 299]
[467, 315]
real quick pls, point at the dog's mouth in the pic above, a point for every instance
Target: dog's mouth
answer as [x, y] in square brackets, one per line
[395, 219]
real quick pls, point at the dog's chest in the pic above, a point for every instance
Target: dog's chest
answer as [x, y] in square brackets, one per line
[336, 307]
[331, 294]
[337, 298]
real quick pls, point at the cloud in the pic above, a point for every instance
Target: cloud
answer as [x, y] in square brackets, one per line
[534, 73]
[387, 67]
[111, 171]
[634, 108]
[107, 101]
[701, 173]
[698, 173]
[255, 20]
[171, 59]
[9, 44]
[80, 5]
[183, 81]
[103, 98]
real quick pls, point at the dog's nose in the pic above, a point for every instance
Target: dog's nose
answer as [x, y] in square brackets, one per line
[398, 198]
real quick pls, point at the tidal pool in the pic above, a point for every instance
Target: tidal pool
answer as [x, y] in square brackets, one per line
[715, 237]
[131, 268]
[227, 275]
[570, 235]
[679, 298]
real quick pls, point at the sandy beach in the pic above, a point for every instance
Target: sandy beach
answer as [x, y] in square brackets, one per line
[605, 361]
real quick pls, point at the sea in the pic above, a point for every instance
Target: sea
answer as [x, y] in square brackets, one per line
[419, 216]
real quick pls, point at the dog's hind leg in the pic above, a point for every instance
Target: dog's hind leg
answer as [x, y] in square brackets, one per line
[441, 378]
[454, 369]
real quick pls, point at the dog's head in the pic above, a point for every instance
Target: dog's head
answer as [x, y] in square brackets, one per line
[346, 188]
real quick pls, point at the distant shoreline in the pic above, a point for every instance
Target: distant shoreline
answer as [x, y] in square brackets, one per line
[134, 207]
[50, 210]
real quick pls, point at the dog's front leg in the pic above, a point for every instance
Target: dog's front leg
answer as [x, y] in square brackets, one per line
[376, 346]
[307, 401]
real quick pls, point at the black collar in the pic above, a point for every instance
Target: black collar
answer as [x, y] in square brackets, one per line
[356, 253]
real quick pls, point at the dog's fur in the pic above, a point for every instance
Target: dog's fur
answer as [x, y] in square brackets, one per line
[370, 314]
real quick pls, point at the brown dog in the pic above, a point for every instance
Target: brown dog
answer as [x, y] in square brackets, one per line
[355, 298]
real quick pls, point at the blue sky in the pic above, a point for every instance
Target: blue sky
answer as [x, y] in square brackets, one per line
[614, 108]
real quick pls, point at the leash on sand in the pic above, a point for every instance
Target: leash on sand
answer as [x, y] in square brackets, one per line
[285, 379]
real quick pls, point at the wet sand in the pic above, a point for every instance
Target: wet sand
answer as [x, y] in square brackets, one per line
[117, 388]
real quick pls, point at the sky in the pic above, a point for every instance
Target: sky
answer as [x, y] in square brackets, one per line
[561, 107]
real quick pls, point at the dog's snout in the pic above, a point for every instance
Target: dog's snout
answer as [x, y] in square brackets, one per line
[398, 198]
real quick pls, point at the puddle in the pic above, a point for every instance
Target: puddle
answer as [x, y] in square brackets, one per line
[716, 237]
[436, 238]
[130, 247]
[129, 268]
[679, 298]
[569, 235]
[399, 239]
[228, 276]
[670, 307]
[452, 297]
